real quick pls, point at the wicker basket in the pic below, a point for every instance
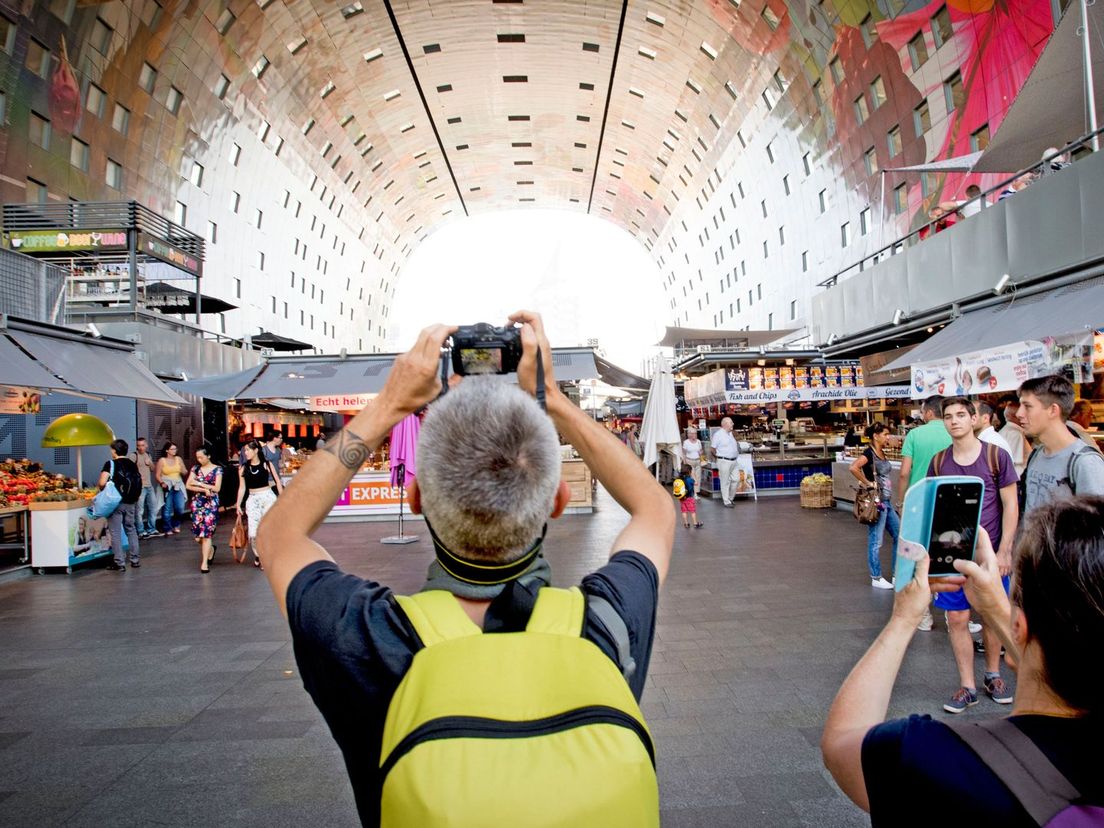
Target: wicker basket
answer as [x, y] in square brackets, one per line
[816, 495]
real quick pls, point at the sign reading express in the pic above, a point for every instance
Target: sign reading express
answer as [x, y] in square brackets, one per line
[53, 241]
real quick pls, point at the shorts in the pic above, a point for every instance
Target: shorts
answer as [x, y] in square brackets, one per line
[956, 601]
[688, 504]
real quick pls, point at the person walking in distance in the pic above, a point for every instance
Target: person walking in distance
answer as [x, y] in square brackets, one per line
[122, 471]
[1061, 465]
[688, 504]
[487, 647]
[1012, 433]
[920, 446]
[255, 481]
[872, 469]
[1080, 421]
[169, 473]
[1000, 512]
[205, 481]
[985, 430]
[692, 450]
[725, 450]
[147, 501]
[274, 450]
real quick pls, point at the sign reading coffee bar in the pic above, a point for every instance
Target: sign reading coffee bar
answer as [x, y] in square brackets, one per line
[58, 241]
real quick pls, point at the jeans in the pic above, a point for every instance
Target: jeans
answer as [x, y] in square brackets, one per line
[147, 510]
[887, 519]
[122, 519]
[176, 501]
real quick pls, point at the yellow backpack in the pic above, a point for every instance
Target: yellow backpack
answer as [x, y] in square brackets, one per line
[535, 728]
[678, 488]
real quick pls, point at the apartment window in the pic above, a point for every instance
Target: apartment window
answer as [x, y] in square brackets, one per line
[173, 100]
[893, 141]
[95, 100]
[36, 191]
[101, 36]
[38, 58]
[7, 34]
[864, 221]
[929, 183]
[759, 291]
[78, 154]
[807, 163]
[258, 218]
[900, 198]
[197, 174]
[224, 22]
[877, 91]
[869, 33]
[766, 250]
[763, 207]
[38, 129]
[237, 288]
[120, 119]
[954, 92]
[836, 70]
[212, 232]
[845, 234]
[770, 154]
[285, 310]
[235, 201]
[3, 107]
[235, 154]
[818, 95]
[918, 51]
[793, 309]
[147, 77]
[822, 197]
[979, 138]
[941, 27]
[260, 260]
[804, 261]
[114, 175]
[921, 118]
[180, 213]
[786, 184]
[781, 235]
[222, 86]
[862, 112]
[770, 321]
[870, 161]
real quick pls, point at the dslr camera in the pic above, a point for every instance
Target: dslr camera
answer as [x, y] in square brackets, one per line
[485, 349]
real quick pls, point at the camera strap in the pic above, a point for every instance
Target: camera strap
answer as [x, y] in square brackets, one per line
[483, 573]
[540, 383]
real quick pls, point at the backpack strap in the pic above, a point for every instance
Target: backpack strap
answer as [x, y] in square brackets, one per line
[437, 616]
[1029, 775]
[1084, 449]
[558, 612]
[618, 631]
[937, 461]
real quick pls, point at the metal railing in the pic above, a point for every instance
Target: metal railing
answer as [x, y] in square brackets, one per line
[924, 231]
[31, 289]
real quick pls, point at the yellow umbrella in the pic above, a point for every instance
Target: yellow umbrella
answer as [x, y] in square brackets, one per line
[74, 431]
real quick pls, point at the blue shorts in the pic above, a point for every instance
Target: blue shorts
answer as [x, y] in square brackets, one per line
[956, 601]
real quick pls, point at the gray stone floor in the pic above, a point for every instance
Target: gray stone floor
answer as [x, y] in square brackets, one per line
[162, 697]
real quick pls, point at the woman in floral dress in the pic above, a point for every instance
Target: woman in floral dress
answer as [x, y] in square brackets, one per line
[204, 482]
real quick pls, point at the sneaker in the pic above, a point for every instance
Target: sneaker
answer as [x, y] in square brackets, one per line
[974, 627]
[962, 699]
[880, 583]
[979, 647]
[926, 622]
[114, 567]
[135, 564]
[998, 691]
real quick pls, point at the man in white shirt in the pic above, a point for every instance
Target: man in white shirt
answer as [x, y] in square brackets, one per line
[985, 431]
[972, 205]
[1080, 421]
[725, 450]
[692, 454]
[1013, 434]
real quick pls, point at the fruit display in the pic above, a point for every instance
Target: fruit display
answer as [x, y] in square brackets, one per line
[818, 478]
[23, 482]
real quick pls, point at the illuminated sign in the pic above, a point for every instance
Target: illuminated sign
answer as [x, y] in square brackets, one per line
[168, 253]
[58, 241]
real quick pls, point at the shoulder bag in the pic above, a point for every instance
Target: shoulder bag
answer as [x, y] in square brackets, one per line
[108, 499]
[867, 505]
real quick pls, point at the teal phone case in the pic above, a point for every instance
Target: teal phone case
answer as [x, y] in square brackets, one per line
[916, 521]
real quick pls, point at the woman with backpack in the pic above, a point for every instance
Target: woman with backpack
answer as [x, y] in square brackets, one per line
[1040, 763]
[204, 482]
[256, 478]
[122, 472]
[872, 469]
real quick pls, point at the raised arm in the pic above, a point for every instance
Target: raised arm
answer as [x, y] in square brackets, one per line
[651, 527]
[283, 537]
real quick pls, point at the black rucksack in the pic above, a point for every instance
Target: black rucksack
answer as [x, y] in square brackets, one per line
[128, 480]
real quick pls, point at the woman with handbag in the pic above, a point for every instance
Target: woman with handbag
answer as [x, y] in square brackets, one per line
[256, 479]
[872, 469]
[204, 482]
[169, 473]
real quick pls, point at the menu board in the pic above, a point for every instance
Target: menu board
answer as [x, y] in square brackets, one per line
[786, 377]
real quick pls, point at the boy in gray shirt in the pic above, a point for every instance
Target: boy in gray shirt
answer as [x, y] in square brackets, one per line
[1062, 465]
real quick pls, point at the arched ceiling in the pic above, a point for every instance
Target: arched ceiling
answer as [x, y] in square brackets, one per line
[445, 109]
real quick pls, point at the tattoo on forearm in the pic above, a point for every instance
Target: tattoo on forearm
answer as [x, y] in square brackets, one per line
[350, 449]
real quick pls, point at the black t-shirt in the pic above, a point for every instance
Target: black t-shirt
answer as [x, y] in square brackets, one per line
[353, 645]
[918, 772]
[127, 478]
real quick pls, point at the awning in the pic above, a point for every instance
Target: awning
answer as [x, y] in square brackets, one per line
[1049, 110]
[275, 342]
[689, 337]
[16, 368]
[223, 387]
[619, 377]
[173, 300]
[572, 364]
[321, 376]
[962, 163]
[102, 369]
[1074, 309]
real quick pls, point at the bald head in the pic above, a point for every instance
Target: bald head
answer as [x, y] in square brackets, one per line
[726, 424]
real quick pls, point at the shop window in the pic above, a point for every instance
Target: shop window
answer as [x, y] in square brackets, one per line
[78, 154]
[38, 129]
[941, 27]
[921, 118]
[893, 141]
[95, 100]
[38, 58]
[101, 36]
[114, 175]
[147, 77]
[877, 92]
[120, 119]
[954, 92]
[870, 161]
[862, 112]
[979, 138]
[900, 198]
[918, 51]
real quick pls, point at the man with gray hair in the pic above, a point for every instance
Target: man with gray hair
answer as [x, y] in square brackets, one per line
[488, 482]
[725, 449]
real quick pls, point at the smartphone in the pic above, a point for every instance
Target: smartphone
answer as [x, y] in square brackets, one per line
[939, 519]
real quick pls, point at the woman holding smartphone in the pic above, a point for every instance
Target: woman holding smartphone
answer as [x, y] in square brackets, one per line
[922, 771]
[872, 469]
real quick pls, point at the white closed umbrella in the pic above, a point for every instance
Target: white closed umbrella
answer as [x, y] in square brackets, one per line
[660, 428]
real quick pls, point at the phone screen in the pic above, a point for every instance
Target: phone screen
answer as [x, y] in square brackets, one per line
[954, 526]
